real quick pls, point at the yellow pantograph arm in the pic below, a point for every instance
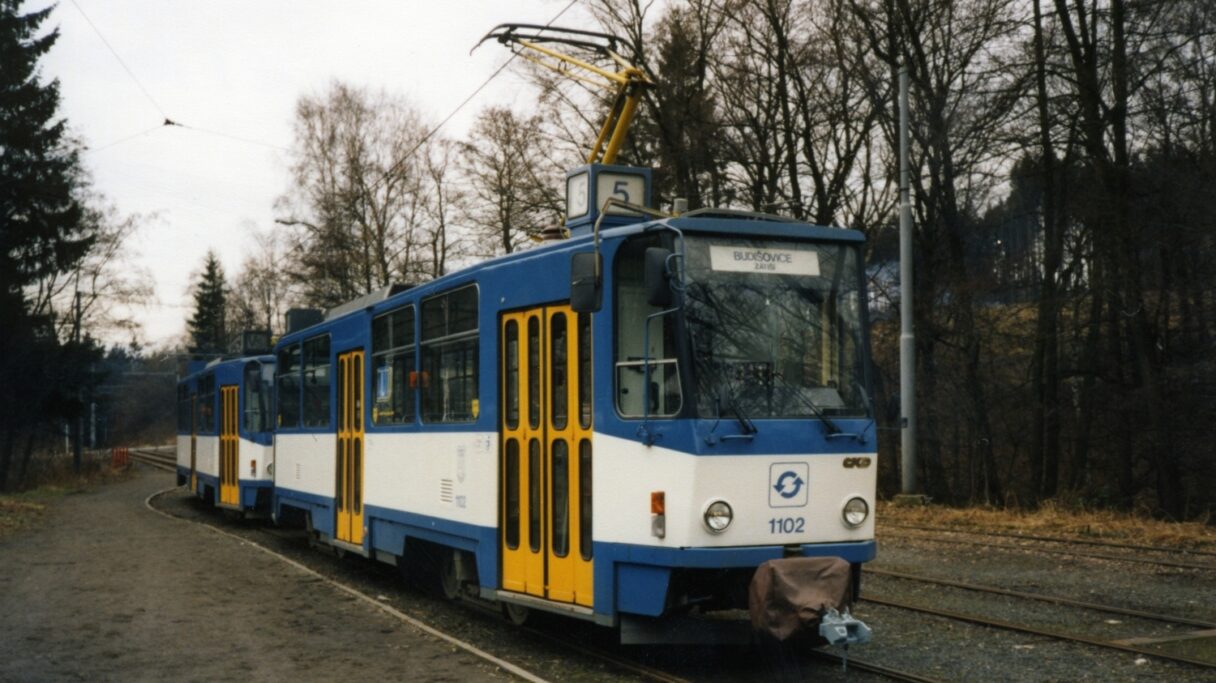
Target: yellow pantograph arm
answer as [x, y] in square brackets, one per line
[627, 84]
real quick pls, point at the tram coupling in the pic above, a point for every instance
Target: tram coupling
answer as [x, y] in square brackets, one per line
[796, 597]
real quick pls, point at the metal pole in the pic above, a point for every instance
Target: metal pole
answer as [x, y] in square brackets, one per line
[907, 339]
[79, 425]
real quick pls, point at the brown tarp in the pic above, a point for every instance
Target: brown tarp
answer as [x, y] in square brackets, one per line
[791, 594]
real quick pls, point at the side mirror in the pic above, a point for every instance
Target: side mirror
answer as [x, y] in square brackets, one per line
[658, 283]
[586, 283]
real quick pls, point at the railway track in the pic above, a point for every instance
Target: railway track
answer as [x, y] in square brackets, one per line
[157, 459]
[1031, 630]
[1178, 564]
[1053, 599]
[1054, 539]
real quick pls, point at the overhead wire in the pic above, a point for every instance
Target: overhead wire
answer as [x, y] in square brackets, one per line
[406, 157]
[168, 122]
[122, 63]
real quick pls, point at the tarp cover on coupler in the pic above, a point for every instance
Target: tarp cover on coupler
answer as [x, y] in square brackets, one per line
[790, 595]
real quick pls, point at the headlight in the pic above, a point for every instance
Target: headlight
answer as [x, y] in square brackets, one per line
[855, 512]
[718, 516]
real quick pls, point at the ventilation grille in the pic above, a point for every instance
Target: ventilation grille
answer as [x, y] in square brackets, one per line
[445, 490]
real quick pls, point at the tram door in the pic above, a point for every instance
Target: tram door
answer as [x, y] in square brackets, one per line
[545, 529]
[193, 443]
[349, 526]
[230, 444]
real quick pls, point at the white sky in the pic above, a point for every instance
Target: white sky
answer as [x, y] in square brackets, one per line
[232, 71]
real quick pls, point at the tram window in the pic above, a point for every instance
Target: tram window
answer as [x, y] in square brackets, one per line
[449, 357]
[393, 367]
[584, 370]
[316, 377]
[512, 466]
[533, 373]
[584, 498]
[559, 378]
[534, 484]
[206, 404]
[257, 413]
[183, 409]
[511, 375]
[561, 498]
[632, 312]
[288, 381]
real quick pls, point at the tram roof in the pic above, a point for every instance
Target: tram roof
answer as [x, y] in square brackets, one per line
[226, 362]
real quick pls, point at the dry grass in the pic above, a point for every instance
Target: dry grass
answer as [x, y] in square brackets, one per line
[21, 511]
[1053, 520]
[24, 510]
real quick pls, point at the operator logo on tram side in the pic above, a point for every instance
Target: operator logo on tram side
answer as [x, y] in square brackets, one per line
[789, 483]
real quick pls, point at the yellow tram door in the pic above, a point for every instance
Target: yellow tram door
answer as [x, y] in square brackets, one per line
[545, 532]
[349, 494]
[230, 441]
[193, 443]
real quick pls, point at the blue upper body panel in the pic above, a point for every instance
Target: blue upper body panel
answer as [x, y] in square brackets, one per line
[228, 373]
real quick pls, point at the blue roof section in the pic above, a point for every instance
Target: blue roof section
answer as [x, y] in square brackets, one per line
[733, 226]
[226, 366]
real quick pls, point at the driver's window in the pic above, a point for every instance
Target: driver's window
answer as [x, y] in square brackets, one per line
[632, 310]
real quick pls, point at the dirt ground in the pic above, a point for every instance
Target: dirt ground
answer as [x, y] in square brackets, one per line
[106, 589]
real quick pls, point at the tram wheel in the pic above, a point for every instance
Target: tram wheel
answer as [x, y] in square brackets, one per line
[516, 614]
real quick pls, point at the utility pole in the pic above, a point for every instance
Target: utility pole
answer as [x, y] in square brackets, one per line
[79, 426]
[907, 337]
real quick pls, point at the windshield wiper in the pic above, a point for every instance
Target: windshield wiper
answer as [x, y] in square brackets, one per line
[749, 429]
[833, 430]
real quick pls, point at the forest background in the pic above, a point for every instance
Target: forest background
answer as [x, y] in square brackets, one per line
[1064, 160]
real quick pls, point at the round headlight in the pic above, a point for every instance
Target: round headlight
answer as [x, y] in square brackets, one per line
[718, 516]
[855, 511]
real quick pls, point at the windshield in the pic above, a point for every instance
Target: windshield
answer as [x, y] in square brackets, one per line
[775, 328]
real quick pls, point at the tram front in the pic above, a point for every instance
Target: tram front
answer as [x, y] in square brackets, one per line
[741, 413]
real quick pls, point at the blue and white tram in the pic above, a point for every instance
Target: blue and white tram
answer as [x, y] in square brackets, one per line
[619, 426]
[225, 438]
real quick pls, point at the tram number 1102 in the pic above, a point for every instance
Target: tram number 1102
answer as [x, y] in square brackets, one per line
[786, 525]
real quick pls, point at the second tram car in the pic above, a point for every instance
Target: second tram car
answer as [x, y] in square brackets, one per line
[225, 435]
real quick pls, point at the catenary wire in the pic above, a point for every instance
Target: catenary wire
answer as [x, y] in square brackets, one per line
[405, 157]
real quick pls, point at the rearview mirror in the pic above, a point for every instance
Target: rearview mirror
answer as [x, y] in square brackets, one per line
[657, 279]
[586, 290]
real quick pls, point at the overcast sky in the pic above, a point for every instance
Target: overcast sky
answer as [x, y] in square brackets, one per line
[231, 71]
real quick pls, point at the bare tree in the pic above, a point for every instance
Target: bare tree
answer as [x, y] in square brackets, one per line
[261, 291]
[513, 193]
[355, 199]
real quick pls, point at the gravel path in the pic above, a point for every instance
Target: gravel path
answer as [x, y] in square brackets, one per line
[106, 589]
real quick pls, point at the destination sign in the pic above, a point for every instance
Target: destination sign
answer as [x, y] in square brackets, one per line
[757, 260]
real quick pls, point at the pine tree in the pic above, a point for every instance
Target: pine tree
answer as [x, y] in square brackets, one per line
[42, 233]
[42, 230]
[208, 328]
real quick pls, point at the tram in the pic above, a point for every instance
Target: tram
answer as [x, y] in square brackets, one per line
[619, 425]
[225, 433]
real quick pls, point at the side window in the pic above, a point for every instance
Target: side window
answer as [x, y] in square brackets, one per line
[206, 404]
[393, 367]
[632, 313]
[316, 374]
[256, 416]
[287, 378]
[183, 408]
[449, 357]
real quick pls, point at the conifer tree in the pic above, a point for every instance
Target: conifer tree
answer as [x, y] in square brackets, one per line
[208, 327]
[43, 227]
[42, 233]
